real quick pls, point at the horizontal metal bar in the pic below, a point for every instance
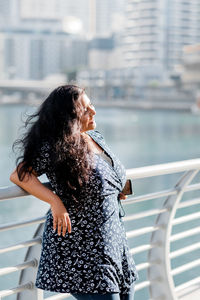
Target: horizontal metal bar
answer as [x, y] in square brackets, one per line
[186, 218]
[21, 245]
[160, 194]
[144, 266]
[141, 231]
[58, 297]
[150, 196]
[163, 169]
[145, 214]
[16, 290]
[187, 284]
[184, 250]
[184, 234]
[192, 187]
[15, 225]
[185, 267]
[8, 193]
[136, 173]
[11, 192]
[142, 285]
[142, 248]
[25, 265]
[187, 203]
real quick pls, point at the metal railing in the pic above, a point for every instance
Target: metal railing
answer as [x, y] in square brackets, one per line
[163, 229]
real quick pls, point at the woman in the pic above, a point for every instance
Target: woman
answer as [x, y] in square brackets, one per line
[84, 249]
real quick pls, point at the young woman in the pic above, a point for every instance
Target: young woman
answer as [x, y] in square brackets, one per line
[84, 249]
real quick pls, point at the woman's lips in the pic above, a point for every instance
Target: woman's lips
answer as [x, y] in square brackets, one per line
[91, 122]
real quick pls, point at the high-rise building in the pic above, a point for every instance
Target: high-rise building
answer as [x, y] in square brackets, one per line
[157, 30]
[106, 16]
[190, 74]
[39, 55]
[97, 17]
[37, 9]
[43, 37]
[8, 14]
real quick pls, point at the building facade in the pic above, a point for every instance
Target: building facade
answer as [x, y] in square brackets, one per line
[156, 32]
[29, 55]
[191, 68]
[40, 38]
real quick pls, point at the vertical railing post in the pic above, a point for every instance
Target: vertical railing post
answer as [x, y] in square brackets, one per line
[160, 270]
[30, 273]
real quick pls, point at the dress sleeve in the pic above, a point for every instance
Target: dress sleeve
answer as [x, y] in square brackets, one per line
[41, 161]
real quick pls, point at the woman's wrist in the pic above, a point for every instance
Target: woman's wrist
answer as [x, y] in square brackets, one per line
[54, 200]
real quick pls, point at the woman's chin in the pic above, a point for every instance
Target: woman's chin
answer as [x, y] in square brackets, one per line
[92, 125]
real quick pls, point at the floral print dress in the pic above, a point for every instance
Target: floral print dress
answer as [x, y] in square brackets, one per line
[94, 257]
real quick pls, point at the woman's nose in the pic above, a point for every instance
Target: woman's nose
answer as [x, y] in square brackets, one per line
[92, 111]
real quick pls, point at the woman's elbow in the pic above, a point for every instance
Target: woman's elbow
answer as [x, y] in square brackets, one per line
[14, 177]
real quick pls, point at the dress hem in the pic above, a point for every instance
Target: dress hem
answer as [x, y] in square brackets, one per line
[69, 291]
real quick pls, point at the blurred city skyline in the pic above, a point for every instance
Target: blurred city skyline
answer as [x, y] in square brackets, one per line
[102, 42]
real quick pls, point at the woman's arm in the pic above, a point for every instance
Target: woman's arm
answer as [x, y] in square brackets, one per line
[31, 184]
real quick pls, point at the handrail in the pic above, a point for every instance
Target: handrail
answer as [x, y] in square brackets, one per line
[21, 245]
[154, 234]
[186, 267]
[16, 225]
[184, 250]
[16, 290]
[28, 264]
[145, 214]
[187, 218]
[7, 193]
[185, 234]
[163, 169]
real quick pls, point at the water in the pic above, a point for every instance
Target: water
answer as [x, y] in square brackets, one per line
[139, 138]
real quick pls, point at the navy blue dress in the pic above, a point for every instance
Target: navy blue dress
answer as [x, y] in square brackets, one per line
[95, 257]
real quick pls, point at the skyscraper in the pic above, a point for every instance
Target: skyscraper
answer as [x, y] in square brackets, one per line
[157, 30]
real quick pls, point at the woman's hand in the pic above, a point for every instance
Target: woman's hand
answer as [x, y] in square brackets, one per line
[122, 196]
[33, 186]
[61, 219]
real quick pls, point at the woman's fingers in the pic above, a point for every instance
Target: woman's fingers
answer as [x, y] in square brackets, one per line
[69, 226]
[122, 196]
[62, 224]
[66, 224]
[64, 228]
[55, 222]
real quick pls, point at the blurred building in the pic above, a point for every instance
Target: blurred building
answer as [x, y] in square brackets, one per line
[156, 32]
[105, 53]
[9, 16]
[191, 67]
[31, 55]
[40, 38]
[108, 16]
[89, 17]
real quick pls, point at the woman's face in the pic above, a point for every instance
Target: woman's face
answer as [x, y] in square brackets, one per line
[87, 120]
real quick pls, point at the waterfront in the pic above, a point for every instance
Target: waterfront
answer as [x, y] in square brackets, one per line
[139, 138]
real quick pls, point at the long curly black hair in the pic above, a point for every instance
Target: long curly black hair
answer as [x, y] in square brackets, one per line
[58, 122]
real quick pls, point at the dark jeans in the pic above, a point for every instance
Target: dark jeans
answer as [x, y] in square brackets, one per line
[108, 296]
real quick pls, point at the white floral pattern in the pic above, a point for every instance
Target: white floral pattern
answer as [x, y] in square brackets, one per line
[95, 257]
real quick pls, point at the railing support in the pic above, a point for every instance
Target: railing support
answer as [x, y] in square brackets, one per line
[159, 257]
[30, 273]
